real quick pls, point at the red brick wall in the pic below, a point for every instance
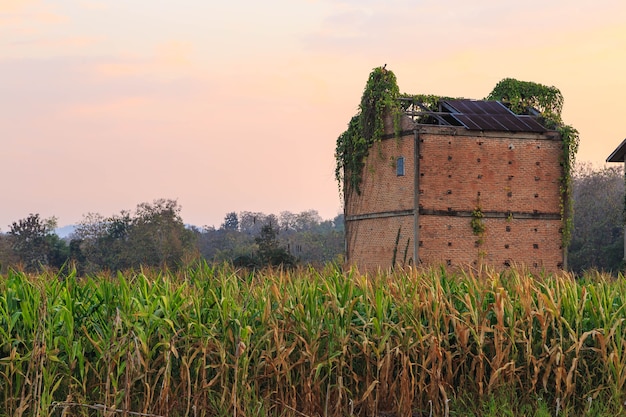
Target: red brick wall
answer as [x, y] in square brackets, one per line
[371, 242]
[450, 241]
[381, 189]
[460, 171]
[518, 173]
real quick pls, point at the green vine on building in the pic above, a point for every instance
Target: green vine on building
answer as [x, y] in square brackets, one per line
[477, 223]
[524, 96]
[380, 98]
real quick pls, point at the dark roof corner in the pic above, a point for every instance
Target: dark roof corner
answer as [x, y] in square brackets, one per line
[618, 154]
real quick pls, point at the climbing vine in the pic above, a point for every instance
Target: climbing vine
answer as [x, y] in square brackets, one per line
[429, 102]
[426, 103]
[524, 96]
[477, 222]
[380, 98]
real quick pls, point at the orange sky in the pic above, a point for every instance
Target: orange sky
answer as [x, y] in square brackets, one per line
[236, 106]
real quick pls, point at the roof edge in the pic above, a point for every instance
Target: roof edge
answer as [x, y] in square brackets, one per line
[619, 154]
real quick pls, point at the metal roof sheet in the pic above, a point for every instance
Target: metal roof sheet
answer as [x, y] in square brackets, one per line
[490, 116]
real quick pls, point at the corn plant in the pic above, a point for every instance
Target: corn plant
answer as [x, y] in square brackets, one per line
[211, 340]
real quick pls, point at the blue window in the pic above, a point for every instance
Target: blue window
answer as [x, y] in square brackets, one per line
[400, 166]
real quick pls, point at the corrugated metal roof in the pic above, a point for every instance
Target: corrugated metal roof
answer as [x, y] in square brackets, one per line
[490, 116]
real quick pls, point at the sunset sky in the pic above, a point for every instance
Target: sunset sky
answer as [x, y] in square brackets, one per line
[236, 105]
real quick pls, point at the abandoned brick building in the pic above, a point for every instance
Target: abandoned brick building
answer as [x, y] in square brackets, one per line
[469, 184]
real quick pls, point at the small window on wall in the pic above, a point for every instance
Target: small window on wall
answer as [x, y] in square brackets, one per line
[400, 166]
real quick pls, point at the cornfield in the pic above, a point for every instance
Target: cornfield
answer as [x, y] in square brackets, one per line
[210, 340]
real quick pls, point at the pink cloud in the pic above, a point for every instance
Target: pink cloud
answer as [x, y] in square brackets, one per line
[93, 4]
[437, 28]
[21, 20]
[70, 42]
[15, 5]
[169, 59]
[174, 53]
[118, 109]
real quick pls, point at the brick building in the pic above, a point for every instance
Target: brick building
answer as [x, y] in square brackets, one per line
[470, 184]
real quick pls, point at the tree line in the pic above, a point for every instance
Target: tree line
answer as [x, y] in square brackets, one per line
[257, 239]
[154, 235]
[599, 216]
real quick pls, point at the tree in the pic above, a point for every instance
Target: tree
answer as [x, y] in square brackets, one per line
[222, 245]
[287, 220]
[91, 227]
[154, 235]
[158, 236]
[58, 251]
[77, 256]
[311, 240]
[114, 245]
[252, 222]
[102, 243]
[307, 220]
[339, 222]
[598, 234]
[270, 252]
[231, 221]
[7, 254]
[30, 241]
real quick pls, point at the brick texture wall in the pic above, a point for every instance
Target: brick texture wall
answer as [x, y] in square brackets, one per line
[513, 172]
[371, 243]
[513, 178]
[449, 240]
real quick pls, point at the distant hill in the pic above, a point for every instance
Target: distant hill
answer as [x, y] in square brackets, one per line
[65, 231]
